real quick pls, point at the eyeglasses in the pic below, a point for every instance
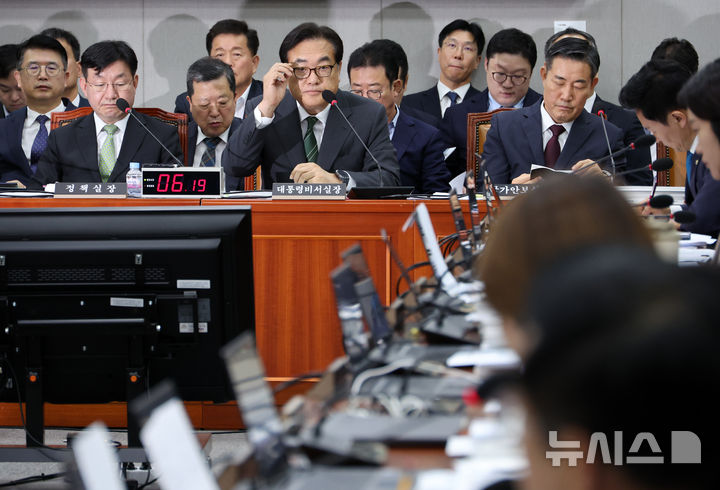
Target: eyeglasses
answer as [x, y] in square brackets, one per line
[370, 93]
[33, 69]
[102, 87]
[467, 48]
[500, 77]
[322, 71]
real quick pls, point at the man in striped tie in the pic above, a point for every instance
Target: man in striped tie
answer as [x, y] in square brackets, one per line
[298, 136]
[212, 99]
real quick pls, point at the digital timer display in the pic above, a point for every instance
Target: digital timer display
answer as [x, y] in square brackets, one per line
[182, 182]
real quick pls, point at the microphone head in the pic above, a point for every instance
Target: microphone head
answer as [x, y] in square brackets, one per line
[601, 113]
[661, 201]
[662, 164]
[123, 105]
[329, 96]
[684, 217]
[644, 141]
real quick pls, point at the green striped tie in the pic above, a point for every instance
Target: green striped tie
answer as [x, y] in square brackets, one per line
[107, 153]
[311, 149]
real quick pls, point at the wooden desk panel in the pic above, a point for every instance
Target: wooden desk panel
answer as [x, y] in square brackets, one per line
[296, 245]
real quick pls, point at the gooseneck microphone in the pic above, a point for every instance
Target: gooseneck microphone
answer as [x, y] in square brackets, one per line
[658, 165]
[642, 142]
[601, 113]
[123, 105]
[330, 98]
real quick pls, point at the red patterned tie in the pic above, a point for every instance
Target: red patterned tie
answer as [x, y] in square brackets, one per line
[552, 150]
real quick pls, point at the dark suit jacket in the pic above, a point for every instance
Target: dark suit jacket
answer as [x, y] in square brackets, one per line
[83, 102]
[514, 142]
[72, 152]
[453, 128]
[702, 197]
[232, 183]
[420, 154]
[182, 105]
[14, 165]
[630, 125]
[279, 146]
[428, 101]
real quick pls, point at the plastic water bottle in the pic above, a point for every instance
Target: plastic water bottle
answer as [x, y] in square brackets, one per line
[134, 180]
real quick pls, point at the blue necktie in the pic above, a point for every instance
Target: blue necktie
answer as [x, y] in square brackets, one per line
[40, 142]
[391, 128]
[453, 98]
[689, 164]
[208, 156]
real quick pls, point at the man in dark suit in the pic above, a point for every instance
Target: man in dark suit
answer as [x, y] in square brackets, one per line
[653, 93]
[555, 132]
[509, 61]
[211, 94]
[72, 48]
[24, 133]
[460, 46]
[622, 118]
[99, 147]
[295, 134]
[234, 43]
[375, 73]
[11, 95]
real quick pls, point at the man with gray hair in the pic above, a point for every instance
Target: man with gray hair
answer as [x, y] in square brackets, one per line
[211, 95]
[556, 131]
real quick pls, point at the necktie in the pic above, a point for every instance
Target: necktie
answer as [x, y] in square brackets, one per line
[391, 128]
[208, 156]
[689, 165]
[311, 148]
[453, 98]
[40, 142]
[107, 153]
[552, 150]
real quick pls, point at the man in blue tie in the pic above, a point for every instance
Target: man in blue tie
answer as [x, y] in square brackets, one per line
[460, 46]
[42, 74]
[653, 93]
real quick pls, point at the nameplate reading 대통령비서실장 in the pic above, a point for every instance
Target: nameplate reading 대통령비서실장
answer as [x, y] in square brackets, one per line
[309, 191]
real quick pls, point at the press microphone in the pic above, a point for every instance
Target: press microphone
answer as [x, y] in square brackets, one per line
[329, 97]
[660, 202]
[601, 113]
[642, 142]
[658, 165]
[123, 105]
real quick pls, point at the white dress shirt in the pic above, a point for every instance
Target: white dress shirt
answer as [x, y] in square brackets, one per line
[31, 128]
[443, 94]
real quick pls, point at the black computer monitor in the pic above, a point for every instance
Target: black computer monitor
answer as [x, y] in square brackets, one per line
[90, 297]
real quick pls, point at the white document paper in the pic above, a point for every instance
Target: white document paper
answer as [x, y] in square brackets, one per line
[96, 460]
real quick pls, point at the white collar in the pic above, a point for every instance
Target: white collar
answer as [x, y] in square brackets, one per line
[224, 136]
[693, 147]
[322, 116]
[590, 102]
[100, 124]
[548, 121]
[461, 90]
[32, 115]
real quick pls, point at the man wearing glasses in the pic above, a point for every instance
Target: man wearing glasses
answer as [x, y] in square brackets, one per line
[460, 46]
[41, 74]
[374, 72]
[297, 136]
[509, 62]
[99, 147]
